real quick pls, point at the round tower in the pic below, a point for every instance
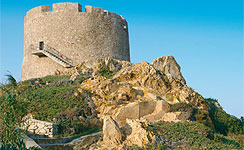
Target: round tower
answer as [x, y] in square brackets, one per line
[66, 36]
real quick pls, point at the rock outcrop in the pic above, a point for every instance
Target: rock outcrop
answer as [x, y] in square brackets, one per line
[136, 91]
[169, 67]
[138, 134]
[112, 135]
[133, 133]
[130, 96]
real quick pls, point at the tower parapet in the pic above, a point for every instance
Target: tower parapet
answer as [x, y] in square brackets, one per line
[80, 35]
[67, 7]
[70, 8]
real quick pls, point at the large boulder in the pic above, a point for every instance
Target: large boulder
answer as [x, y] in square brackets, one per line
[130, 110]
[139, 135]
[142, 74]
[112, 135]
[133, 133]
[169, 66]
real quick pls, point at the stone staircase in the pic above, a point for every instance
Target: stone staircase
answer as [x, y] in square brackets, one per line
[53, 54]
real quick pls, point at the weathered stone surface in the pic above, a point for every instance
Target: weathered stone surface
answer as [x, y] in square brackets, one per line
[136, 91]
[162, 107]
[151, 110]
[110, 64]
[175, 116]
[39, 127]
[30, 142]
[131, 110]
[147, 107]
[133, 133]
[139, 135]
[142, 74]
[132, 82]
[112, 135]
[169, 66]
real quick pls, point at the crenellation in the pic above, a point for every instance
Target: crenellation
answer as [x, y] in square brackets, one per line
[112, 14]
[94, 10]
[38, 10]
[105, 13]
[67, 7]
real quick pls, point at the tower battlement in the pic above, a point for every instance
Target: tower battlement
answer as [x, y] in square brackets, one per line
[70, 8]
[71, 33]
[67, 7]
[38, 10]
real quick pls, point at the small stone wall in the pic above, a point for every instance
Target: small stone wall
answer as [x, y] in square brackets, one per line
[41, 127]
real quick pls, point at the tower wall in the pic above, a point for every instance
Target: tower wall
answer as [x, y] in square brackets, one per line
[80, 35]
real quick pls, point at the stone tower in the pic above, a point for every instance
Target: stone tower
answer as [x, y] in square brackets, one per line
[61, 38]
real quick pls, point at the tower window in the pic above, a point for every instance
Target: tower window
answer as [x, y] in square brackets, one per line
[41, 45]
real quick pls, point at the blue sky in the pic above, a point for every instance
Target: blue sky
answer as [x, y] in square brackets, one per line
[205, 36]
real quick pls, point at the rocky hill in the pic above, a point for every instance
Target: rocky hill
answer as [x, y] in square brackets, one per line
[138, 106]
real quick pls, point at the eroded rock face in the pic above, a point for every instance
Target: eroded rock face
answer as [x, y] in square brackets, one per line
[112, 135]
[139, 135]
[169, 67]
[143, 75]
[162, 107]
[133, 133]
[129, 96]
[136, 91]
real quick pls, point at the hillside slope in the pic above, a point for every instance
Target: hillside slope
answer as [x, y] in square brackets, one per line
[157, 93]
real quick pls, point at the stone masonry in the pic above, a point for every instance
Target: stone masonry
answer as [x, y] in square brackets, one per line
[40, 127]
[80, 35]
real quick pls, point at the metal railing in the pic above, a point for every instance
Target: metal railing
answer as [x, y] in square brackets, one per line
[54, 52]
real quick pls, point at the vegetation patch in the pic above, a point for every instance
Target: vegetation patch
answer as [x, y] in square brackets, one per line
[213, 117]
[181, 107]
[56, 99]
[192, 135]
[225, 123]
[12, 111]
[211, 100]
[105, 72]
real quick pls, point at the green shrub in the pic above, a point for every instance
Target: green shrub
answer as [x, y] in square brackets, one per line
[105, 72]
[54, 78]
[192, 135]
[202, 116]
[213, 117]
[184, 107]
[188, 135]
[20, 145]
[225, 123]
[12, 111]
[11, 80]
[211, 100]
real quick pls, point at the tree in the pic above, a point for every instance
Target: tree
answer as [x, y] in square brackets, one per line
[11, 80]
